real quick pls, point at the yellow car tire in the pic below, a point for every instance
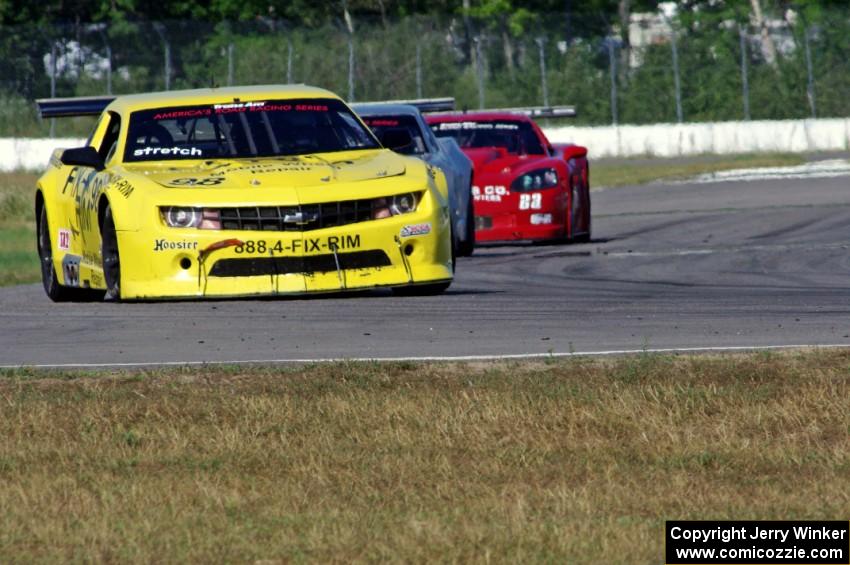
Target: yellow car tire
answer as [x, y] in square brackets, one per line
[49, 278]
[111, 257]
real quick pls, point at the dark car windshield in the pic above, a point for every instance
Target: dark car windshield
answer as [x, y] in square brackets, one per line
[515, 136]
[381, 125]
[264, 128]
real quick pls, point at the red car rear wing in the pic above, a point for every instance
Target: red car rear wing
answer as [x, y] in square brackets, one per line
[530, 111]
[542, 111]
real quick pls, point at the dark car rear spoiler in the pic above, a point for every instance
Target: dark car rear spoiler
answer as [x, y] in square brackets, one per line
[424, 105]
[69, 107]
[531, 111]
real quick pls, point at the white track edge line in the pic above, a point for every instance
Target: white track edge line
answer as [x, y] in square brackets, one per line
[433, 358]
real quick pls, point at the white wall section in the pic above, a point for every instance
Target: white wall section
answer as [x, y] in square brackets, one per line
[31, 154]
[679, 140]
[658, 140]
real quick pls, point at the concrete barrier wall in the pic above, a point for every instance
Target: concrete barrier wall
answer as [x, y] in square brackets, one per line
[31, 154]
[658, 140]
[678, 140]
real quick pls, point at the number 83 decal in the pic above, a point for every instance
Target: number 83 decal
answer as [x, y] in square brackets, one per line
[532, 201]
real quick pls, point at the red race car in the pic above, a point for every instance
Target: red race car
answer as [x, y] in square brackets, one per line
[524, 187]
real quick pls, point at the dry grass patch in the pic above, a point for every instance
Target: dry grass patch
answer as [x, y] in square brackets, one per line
[630, 172]
[18, 256]
[570, 460]
[16, 198]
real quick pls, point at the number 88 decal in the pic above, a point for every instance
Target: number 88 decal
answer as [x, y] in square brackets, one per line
[532, 201]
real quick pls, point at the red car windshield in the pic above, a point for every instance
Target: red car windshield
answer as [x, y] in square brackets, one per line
[514, 136]
[267, 128]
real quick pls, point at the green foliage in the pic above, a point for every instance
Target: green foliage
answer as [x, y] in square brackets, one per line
[271, 42]
[18, 256]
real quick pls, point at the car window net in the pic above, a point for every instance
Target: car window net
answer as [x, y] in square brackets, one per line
[382, 125]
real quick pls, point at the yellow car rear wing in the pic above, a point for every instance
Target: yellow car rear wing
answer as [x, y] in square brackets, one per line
[70, 107]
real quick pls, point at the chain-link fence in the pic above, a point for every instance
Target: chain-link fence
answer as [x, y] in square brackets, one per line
[667, 71]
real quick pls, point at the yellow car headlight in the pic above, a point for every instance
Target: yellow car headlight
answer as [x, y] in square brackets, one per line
[395, 205]
[184, 217]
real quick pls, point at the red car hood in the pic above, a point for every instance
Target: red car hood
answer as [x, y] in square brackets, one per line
[496, 160]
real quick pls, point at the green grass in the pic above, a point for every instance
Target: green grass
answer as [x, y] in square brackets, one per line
[18, 257]
[569, 461]
[16, 197]
[629, 172]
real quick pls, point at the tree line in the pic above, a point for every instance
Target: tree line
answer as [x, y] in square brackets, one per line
[717, 60]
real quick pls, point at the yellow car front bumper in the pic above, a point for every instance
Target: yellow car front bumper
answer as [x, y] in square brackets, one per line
[409, 249]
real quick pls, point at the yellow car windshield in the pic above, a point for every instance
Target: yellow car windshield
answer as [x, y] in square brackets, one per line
[263, 128]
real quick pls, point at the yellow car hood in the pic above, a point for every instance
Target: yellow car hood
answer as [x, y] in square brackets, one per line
[280, 172]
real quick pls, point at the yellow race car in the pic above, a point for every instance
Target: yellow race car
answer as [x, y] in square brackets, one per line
[220, 192]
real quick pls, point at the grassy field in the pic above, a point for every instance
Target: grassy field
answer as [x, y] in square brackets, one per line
[18, 258]
[19, 264]
[628, 172]
[578, 460]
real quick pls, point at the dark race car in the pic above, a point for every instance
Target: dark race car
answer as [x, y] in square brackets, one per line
[524, 188]
[400, 126]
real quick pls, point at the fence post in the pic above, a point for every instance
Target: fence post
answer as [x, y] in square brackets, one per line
[167, 65]
[81, 58]
[53, 67]
[745, 79]
[160, 30]
[108, 69]
[612, 67]
[289, 62]
[677, 85]
[351, 67]
[229, 64]
[810, 87]
[479, 70]
[540, 43]
[418, 70]
[108, 48]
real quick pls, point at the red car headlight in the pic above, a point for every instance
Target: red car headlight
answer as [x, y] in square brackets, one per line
[536, 179]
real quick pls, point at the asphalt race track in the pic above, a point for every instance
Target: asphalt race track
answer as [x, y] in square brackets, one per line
[712, 265]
